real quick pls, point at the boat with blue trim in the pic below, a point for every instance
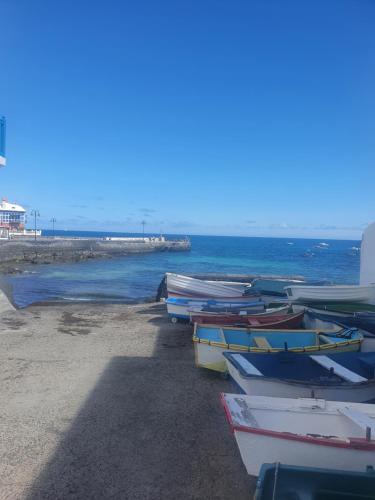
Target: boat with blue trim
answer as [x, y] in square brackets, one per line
[180, 307]
[346, 376]
[211, 341]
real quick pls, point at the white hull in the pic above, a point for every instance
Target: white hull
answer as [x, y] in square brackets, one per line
[367, 269]
[337, 293]
[184, 285]
[307, 432]
[259, 386]
[256, 450]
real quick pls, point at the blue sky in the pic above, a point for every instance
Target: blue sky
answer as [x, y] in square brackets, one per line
[201, 117]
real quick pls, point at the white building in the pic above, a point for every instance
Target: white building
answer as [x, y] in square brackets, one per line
[12, 216]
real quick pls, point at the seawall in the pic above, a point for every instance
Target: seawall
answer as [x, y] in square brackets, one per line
[46, 250]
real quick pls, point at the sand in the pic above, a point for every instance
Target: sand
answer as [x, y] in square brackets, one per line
[104, 401]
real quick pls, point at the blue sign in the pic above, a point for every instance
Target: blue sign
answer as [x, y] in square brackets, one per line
[2, 141]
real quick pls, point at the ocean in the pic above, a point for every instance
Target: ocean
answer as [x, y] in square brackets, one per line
[135, 278]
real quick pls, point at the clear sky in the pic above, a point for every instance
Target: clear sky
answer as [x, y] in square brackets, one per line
[251, 117]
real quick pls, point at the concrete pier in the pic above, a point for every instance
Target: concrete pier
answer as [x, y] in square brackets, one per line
[46, 250]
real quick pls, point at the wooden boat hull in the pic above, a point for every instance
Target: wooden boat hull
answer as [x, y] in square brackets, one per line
[271, 321]
[273, 387]
[180, 307]
[187, 286]
[311, 433]
[335, 293]
[209, 348]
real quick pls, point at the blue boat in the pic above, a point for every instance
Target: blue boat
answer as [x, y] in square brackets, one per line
[347, 376]
[210, 342]
[286, 482]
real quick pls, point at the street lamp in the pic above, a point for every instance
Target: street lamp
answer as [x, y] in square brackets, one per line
[143, 226]
[35, 213]
[53, 220]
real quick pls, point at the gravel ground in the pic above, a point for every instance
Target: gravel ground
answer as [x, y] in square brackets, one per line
[104, 401]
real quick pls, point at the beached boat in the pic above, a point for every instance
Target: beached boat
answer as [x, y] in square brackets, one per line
[192, 287]
[179, 307]
[268, 321]
[209, 311]
[276, 287]
[308, 432]
[363, 319]
[210, 342]
[286, 482]
[332, 293]
[345, 376]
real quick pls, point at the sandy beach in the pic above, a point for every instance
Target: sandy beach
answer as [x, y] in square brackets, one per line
[104, 401]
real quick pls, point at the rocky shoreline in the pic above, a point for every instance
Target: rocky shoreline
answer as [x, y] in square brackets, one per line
[17, 255]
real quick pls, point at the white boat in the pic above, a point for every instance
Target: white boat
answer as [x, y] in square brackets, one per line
[307, 432]
[335, 377]
[332, 293]
[187, 286]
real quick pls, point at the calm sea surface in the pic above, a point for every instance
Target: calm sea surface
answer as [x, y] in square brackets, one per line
[136, 278]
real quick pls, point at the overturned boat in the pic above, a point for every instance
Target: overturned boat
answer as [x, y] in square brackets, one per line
[192, 287]
[331, 293]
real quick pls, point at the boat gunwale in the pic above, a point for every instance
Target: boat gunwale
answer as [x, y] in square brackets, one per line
[235, 347]
[351, 443]
[286, 318]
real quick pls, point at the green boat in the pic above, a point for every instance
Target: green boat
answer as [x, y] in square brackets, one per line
[286, 482]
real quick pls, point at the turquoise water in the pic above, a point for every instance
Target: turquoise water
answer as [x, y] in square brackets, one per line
[136, 278]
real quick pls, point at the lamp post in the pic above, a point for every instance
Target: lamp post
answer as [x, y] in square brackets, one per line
[35, 213]
[143, 228]
[53, 220]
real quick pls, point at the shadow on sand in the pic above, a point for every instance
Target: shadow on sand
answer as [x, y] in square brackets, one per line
[151, 428]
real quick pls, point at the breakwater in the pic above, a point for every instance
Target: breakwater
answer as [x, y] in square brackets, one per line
[47, 250]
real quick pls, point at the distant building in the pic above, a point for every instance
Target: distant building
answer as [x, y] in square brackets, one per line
[2, 142]
[12, 216]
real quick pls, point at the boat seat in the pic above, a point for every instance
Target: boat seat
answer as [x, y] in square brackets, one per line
[359, 418]
[326, 339]
[248, 367]
[338, 369]
[262, 343]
